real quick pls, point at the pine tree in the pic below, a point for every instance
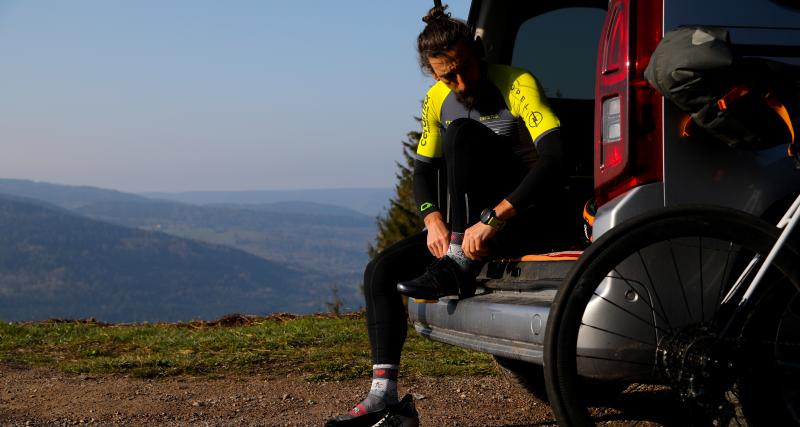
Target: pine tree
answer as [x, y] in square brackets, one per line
[401, 220]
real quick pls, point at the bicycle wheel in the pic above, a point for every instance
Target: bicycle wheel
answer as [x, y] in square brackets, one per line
[643, 305]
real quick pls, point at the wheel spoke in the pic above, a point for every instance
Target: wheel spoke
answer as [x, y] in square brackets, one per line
[647, 303]
[655, 290]
[620, 335]
[632, 314]
[722, 287]
[680, 281]
[700, 268]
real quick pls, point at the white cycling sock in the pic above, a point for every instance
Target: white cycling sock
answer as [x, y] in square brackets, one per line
[384, 382]
[383, 391]
[456, 252]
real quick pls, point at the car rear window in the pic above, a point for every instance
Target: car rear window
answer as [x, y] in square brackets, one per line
[560, 49]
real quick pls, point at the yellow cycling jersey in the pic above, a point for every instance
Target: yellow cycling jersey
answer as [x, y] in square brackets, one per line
[518, 109]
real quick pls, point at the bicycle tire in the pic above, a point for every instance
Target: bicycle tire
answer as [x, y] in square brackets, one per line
[626, 328]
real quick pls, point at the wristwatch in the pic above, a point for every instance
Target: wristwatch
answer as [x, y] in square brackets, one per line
[489, 217]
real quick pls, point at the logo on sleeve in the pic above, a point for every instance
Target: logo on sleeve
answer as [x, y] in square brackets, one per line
[424, 119]
[425, 206]
[534, 119]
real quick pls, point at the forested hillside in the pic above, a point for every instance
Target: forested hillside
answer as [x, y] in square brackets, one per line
[57, 264]
[325, 244]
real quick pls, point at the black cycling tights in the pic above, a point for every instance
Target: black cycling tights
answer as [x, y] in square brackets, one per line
[386, 315]
[481, 171]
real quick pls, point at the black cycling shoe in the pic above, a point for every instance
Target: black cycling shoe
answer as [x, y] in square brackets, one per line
[443, 278]
[402, 414]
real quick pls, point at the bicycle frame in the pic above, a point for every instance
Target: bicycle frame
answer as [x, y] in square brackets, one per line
[787, 223]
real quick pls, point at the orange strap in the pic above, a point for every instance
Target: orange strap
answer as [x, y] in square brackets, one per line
[772, 101]
[553, 256]
[779, 108]
[588, 216]
[732, 95]
[685, 126]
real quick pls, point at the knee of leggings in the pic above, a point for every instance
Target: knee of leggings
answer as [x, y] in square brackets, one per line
[375, 276]
[368, 273]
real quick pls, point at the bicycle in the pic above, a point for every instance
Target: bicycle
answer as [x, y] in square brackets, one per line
[702, 300]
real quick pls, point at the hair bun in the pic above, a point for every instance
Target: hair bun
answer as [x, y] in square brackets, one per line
[437, 12]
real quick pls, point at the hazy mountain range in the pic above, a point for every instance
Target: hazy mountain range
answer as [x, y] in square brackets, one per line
[90, 252]
[369, 201]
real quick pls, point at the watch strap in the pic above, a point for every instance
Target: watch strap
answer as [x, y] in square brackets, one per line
[489, 217]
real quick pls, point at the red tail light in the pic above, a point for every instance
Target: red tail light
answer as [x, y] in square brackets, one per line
[628, 129]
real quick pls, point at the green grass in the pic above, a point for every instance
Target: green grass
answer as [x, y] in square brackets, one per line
[321, 348]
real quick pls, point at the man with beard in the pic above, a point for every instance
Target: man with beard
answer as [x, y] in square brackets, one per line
[488, 132]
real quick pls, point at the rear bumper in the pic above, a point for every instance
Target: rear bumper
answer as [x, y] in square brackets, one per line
[507, 324]
[635, 202]
[507, 320]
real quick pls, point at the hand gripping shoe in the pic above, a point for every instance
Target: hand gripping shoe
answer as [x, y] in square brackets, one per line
[443, 278]
[402, 414]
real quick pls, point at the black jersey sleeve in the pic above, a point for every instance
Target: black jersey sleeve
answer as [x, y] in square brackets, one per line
[426, 185]
[543, 175]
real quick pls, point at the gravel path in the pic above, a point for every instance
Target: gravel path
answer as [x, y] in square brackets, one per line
[51, 398]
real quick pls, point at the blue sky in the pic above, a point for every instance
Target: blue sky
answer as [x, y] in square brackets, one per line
[208, 95]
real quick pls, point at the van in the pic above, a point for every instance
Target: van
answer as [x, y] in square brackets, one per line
[624, 142]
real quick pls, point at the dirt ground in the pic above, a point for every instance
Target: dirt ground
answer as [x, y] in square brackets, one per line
[51, 398]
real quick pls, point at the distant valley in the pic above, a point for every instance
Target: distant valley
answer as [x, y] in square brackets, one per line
[271, 256]
[369, 201]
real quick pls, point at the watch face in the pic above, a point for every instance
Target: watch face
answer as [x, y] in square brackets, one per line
[486, 215]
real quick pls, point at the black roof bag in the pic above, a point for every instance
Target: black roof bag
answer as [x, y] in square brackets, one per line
[749, 103]
[689, 66]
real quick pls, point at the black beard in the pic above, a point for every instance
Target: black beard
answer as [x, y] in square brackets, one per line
[470, 101]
